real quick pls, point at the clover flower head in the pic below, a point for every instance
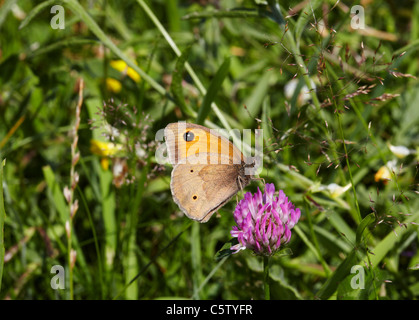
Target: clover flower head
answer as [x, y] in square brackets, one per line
[264, 221]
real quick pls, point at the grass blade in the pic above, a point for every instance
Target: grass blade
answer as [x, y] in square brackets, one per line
[255, 99]
[2, 218]
[212, 91]
[340, 273]
[364, 224]
[388, 243]
[196, 260]
[234, 13]
[4, 10]
[226, 251]
[176, 87]
[35, 11]
[57, 194]
[108, 214]
[303, 19]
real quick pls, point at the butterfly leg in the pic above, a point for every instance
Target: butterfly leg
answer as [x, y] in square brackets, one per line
[239, 179]
[260, 179]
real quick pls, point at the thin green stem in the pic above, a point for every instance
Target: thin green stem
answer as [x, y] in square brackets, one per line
[372, 272]
[316, 243]
[315, 250]
[95, 237]
[196, 258]
[359, 218]
[210, 275]
[2, 218]
[266, 278]
[70, 268]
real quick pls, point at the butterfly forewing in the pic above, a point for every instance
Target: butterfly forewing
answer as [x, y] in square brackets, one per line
[187, 139]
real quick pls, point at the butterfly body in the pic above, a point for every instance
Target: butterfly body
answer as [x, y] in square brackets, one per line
[208, 169]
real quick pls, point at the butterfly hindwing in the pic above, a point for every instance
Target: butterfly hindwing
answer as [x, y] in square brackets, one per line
[200, 189]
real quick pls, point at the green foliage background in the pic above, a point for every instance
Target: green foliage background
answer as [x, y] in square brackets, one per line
[225, 64]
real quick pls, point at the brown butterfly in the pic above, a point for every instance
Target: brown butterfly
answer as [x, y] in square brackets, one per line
[208, 169]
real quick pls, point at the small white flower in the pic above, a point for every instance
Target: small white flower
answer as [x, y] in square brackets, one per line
[139, 151]
[401, 151]
[304, 95]
[335, 189]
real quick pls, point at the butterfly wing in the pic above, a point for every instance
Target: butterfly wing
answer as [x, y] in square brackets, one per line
[201, 189]
[186, 139]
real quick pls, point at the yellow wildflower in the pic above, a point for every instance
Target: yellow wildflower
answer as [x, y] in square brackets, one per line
[104, 163]
[122, 66]
[113, 85]
[105, 149]
[384, 172]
